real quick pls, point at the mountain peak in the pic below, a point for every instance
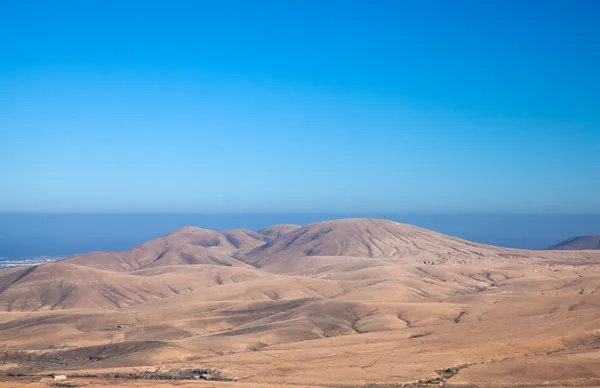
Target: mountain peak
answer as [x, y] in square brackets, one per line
[365, 237]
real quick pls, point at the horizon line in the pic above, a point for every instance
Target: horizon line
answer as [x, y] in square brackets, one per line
[349, 213]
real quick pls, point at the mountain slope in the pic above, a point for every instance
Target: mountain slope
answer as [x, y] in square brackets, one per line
[368, 238]
[188, 245]
[62, 285]
[244, 239]
[578, 243]
[275, 231]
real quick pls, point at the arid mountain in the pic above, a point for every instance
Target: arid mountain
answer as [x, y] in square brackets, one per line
[347, 302]
[244, 239]
[63, 285]
[370, 238]
[189, 245]
[578, 243]
[275, 231]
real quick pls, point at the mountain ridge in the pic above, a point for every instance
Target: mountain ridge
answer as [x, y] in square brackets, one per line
[366, 237]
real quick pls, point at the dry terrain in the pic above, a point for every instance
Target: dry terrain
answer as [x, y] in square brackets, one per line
[355, 302]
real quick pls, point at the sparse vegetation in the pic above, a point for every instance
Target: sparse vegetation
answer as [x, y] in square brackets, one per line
[435, 380]
[66, 384]
[460, 315]
[183, 373]
[19, 372]
[418, 335]
[447, 373]
[256, 347]
[59, 347]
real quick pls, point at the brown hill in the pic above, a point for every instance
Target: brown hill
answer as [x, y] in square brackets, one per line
[371, 238]
[63, 285]
[578, 243]
[275, 231]
[244, 239]
[188, 245]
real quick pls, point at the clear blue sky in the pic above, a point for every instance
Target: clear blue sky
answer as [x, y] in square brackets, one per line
[337, 106]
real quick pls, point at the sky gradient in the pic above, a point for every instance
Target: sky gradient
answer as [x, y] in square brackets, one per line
[300, 106]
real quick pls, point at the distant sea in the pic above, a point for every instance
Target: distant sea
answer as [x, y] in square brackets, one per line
[39, 237]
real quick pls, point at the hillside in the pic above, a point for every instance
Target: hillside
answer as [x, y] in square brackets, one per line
[63, 285]
[276, 231]
[344, 302]
[578, 243]
[370, 238]
[188, 245]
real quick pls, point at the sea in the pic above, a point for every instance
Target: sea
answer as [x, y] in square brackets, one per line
[33, 238]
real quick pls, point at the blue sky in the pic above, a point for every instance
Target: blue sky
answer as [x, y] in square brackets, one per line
[300, 106]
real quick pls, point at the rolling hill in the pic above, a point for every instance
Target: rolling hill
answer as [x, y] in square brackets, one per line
[352, 302]
[276, 231]
[188, 245]
[368, 238]
[63, 285]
